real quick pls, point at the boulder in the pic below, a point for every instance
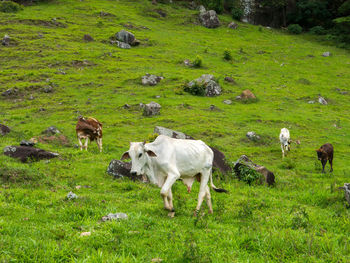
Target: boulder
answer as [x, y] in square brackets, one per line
[247, 94]
[219, 161]
[253, 136]
[121, 44]
[232, 25]
[326, 54]
[151, 80]
[10, 92]
[88, 38]
[209, 19]
[27, 153]
[151, 109]
[346, 189]
[266, 175]
[119, 169]
[71, 196]
[212, 88]
[127, 37]
[322, 101]
[6, 40]
[116, 216]
[228, 102]
[52, 130]
[4, 129]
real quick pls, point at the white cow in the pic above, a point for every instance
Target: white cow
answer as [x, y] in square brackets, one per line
[166, 159]
[285, 140]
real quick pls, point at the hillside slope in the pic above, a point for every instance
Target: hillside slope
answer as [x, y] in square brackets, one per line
[304, 218]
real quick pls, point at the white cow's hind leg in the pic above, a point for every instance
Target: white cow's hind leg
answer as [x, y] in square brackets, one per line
[202, 189]
[208, 197]
[282, 147]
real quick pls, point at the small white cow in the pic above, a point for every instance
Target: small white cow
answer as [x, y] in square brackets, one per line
[166, 159]
[285, 140]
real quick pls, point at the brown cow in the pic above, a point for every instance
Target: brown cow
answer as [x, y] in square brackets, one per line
[324, 154]
[89, 128]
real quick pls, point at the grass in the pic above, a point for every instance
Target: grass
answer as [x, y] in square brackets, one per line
[304, 218]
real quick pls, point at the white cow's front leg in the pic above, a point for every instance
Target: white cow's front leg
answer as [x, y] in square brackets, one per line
[282, 147]
[170, 202]
[166, 189]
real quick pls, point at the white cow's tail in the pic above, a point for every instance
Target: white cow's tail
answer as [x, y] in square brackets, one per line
[219, 190]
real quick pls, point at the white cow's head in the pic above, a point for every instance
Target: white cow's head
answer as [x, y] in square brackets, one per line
[139, 154]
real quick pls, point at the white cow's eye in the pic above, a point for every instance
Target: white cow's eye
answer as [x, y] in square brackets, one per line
[140, 155]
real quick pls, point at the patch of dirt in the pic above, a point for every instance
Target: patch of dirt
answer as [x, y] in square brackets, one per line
[130, 25]
[82, 63]
[53, 139]
[39, 22]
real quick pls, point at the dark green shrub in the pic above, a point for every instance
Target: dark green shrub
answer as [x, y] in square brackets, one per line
[9, 7]
[248, 175]
[217, 5]
[237, 13]
[317, 30]
[227, 55]
[295, 29]
[197, 63]
[196, 89]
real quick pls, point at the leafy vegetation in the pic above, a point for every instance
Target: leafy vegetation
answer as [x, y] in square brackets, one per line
[304, 218]
[295, 29]
[9, 7]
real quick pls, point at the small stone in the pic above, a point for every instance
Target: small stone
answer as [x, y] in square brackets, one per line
[116, 216]
[311, 102]
[85, 234]
[27, 143]
[10, 92]
[188, 63]
[247, 94]
[229, 79]
[4, 129]
[238, 97]
[322, 101]
[121, 44]
[88, 38]
[151, 80]
[6, 40]
[156, 260]
[52, 130]
[327, 54]
[252, 136]
[78, 187]
[232, 25]
[71, 196]
[297, 142]
[47, 89]
[126, 106]
[151, 109]
[228, 102]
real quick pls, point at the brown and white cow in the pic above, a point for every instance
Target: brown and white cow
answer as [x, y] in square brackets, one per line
[89, 129]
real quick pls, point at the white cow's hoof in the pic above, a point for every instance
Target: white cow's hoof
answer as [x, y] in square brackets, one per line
[171, 214]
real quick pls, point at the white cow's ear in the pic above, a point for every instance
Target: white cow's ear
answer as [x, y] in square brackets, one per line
[125, 156]
[151, 154]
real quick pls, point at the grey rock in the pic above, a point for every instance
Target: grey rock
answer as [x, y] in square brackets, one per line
[252, 136]
[322, 101]
[4, 129]
[52, 130]
[151, 80]
[212, 88]
[116, 216]
[228, 102]
[170, 133]
[27, 143]
[326, 54]
[238, 97]
[119, 169]
[151, 109]
[311, 102]
[127, 37]
[201, 9]
[267, 177]
[232, 25]
[126, 106]
[10, 92]
[71, 196]
[346, 189]
[47, 89]
[209, 19]
[229, 79]
[6, 40]
[188, 63]
[121, 44]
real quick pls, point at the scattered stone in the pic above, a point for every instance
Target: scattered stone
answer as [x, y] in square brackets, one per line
[232, 25]
[27, 143]
[6, 40]
[54, 139]
[85, 234]
[161, 12]
[126, 106]
[253, 136]
[157, 96]
[247, 94]
[214, 108]
[78, 187]
[127, 37]
[102, 14]
[311, 102]
[10, 92]
[25, 153]
[267, 176]
[31, 97]
[151, 80]
[71, 196]
[297, 142]
[119, 169]
[327, 54]
[219, 161]
[156, 260]
[33, 140]
[228, 102]
[121, 44]
[188, 63]
[346, 189]
[209, 19]
[52, 130]
[212, 88]
[116, 216]
[4, 129]
[238, 97]
[151, 109]
[88, 38]
[40, 35]
[322, 101]
[229, 79]
[47, 89]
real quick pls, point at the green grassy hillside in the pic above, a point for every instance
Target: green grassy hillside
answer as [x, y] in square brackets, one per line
[304, 218]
